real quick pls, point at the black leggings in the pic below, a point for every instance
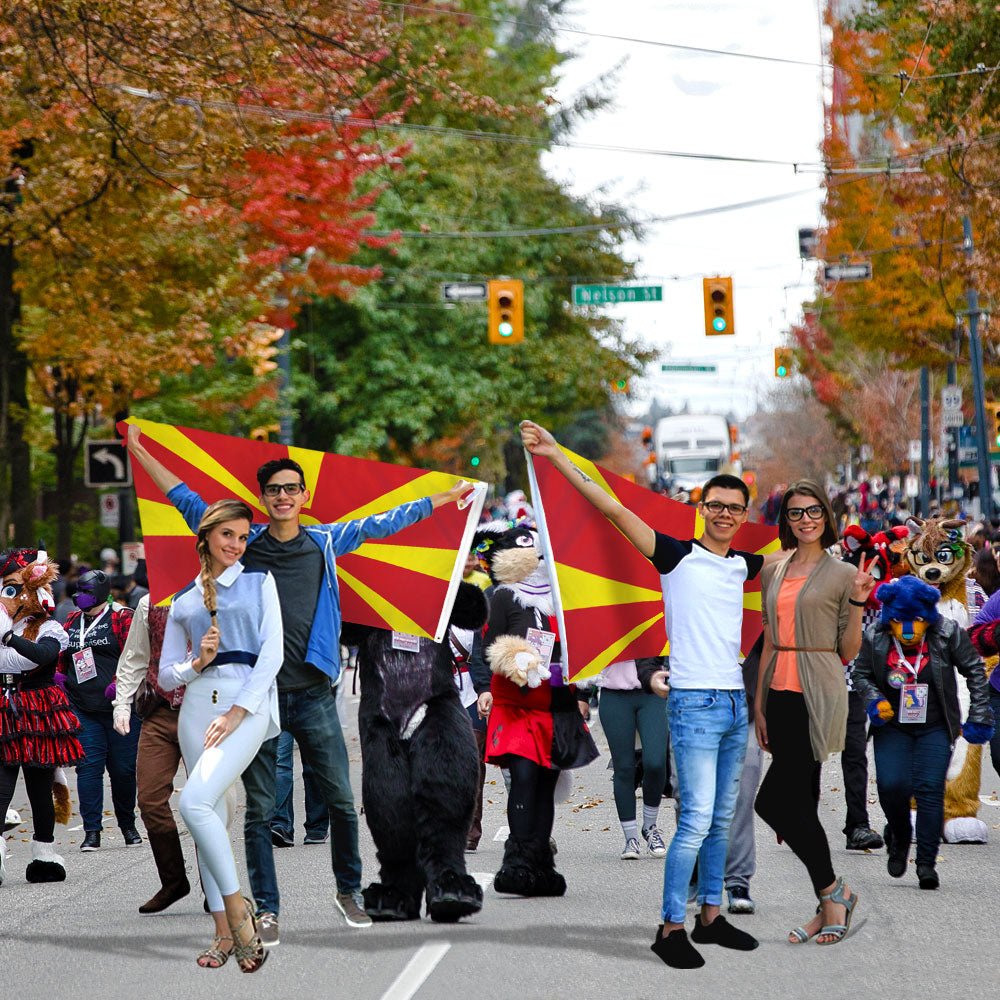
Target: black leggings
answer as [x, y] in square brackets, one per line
[38, 782]
[788, 800]
[531, 808]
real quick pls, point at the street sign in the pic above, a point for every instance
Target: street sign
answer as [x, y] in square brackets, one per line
[463, 291]
[848, 272]
[968, 451]
[110, 510]
[688, 368]
[911, 487]
[106, 464]
[599, 295]
[951, 397]
[132, 552]
[952, 418]
[914, 453]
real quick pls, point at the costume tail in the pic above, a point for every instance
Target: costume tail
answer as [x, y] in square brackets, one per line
[60, 797]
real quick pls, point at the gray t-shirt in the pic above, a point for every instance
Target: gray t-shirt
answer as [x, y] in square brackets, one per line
[297, 568]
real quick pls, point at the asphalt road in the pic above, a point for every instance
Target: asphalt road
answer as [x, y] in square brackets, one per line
[84, 938]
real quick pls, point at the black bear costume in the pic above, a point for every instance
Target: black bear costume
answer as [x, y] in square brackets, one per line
[420, 769]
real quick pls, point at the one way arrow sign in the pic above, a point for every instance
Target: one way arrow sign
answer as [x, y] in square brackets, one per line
[107, 464]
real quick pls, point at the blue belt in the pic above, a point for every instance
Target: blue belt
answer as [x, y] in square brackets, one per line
[235, 656]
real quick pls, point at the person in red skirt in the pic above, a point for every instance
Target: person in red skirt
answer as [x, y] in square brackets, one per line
[536, 727]
[37, 727]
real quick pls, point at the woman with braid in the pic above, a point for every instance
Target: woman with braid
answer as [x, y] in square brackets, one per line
[224, 643]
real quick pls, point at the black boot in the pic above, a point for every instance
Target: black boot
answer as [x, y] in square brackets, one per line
[548, 882]
[388, 902]
[453, 895]
[897, 852]
[169, 858]
[517, 875]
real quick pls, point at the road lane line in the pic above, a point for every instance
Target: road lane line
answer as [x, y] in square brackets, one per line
[484, 879]
[74, 828]
[502, 834]
[416, 971]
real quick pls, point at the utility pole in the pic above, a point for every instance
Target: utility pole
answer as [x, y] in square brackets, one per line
[925, 440]
[953, 482]
[978, 381]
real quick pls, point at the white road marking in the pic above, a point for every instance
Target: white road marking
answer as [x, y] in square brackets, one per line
[989, 800]
[484, 879]
[416, 971]
[502, 834]
[73, 829]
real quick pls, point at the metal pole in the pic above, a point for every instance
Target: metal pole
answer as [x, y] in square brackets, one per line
[978, 385]
[925, 440]
[285, 387]
[953, 482]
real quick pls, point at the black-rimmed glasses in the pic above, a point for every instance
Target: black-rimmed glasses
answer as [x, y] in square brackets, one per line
[814, 512]
[717, 507]
[292, 489]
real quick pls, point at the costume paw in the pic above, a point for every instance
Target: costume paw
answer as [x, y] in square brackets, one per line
[45, 864]
[879, 711]
[977, 732]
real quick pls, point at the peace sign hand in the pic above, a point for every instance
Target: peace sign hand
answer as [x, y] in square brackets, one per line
[864, 582]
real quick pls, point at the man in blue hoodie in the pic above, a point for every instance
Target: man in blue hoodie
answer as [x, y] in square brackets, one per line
[303, 561]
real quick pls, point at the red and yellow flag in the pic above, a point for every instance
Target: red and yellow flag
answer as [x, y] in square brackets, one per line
[608, 601]
[406, 582]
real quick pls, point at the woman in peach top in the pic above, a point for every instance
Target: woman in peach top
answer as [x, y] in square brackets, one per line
[812, 605]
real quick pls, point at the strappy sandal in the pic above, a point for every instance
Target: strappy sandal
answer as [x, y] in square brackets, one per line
[214, 957]
[838, 931]
[801, 935]
[253, 952]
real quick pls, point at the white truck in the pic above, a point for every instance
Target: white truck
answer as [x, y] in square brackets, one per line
[691, 448]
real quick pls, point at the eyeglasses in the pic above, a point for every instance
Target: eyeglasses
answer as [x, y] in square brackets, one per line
[717, 507]
[814, 512]
[292, 489]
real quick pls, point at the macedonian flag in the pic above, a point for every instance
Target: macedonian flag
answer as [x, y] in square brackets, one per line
[406, 582]
[609, 603]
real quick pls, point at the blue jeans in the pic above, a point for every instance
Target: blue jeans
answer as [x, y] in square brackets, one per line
[317, 815]
[912, 764]
[311, 718]
[708, 734]
[106, 749]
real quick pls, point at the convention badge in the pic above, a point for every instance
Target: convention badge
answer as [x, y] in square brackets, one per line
[84, 665]
[913, 702]
[897, 678]
[406, 643]
[544, 643]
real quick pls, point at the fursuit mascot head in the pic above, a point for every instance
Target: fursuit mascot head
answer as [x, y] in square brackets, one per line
[909, 609]
[26, 594]
[938, 554]
[882, 554]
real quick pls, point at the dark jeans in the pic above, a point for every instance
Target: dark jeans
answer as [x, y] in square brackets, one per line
[311, 717]
[317, 815]
[106, 749]
[913, 765]
[788, 800]
[995, 742]
[854, 763]
[623, 714]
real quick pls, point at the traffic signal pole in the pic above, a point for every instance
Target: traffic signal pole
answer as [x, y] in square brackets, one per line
[978, 382]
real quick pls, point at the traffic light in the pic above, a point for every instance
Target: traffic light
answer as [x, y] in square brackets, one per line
[782, 362]
[718, 293]
[620, 385]
[506, 309]
[992, 424]
[264, 433]
[474, 461]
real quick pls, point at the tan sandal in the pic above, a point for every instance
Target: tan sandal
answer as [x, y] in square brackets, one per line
[253, 952]
[215, 957]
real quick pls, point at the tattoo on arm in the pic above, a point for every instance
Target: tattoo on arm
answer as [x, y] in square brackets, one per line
[583, 475]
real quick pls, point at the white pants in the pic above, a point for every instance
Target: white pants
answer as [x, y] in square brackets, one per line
[203, 801]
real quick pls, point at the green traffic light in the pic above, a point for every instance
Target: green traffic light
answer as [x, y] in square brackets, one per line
[781, 371]
[719, 324]
[505, 330]
[474, 461]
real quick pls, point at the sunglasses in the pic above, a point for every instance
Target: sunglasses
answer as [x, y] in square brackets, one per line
[276, 489]
[717, 507]
[814, 512]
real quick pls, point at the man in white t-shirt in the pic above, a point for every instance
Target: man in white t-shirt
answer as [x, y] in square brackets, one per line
[702, 582]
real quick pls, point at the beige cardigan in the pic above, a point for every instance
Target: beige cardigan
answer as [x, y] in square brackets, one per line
[821, 613]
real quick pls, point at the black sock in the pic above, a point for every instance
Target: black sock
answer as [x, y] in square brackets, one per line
[676, 950]
[723, 933]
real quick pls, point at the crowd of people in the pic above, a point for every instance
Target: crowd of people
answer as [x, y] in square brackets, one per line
[247, 663]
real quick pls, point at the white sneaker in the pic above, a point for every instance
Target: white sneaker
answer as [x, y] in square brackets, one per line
[632, 850]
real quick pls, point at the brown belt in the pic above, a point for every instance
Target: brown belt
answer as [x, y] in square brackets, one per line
[803, 649]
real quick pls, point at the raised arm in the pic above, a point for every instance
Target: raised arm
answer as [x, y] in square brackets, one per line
[165, 480]
[541, 443]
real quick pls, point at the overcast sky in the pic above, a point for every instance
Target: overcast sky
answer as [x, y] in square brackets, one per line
[673, 100]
